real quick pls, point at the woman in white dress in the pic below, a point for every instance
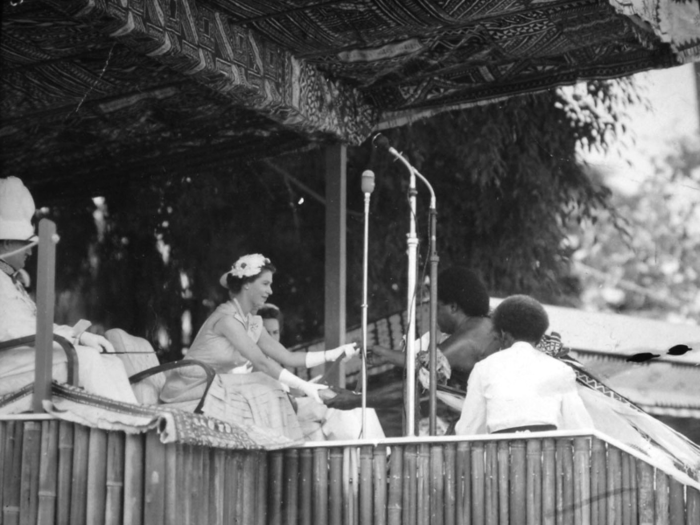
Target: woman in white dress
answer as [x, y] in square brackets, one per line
[249, 387]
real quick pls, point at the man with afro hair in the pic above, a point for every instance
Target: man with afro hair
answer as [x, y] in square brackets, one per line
[520, 388]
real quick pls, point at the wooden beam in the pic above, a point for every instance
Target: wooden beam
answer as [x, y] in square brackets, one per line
[45, 295]
[336, 252]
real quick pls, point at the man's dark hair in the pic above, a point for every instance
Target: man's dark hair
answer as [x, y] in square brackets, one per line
[522, 317]
[269, 311]
[463, 287]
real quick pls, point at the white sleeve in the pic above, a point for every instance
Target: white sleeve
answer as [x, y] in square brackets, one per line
[473, 418]
[17, 317]
[574, 415]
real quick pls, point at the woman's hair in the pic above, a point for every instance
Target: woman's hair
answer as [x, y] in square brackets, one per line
[235, 284]
[269, 311]
[463, 287]
[522, 317]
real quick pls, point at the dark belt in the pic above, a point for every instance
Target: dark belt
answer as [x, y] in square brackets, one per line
[531, 428]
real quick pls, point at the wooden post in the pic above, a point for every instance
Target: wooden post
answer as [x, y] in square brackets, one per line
[46, 268]
[450, 483]
[12, 474]
[336, 252]
[320, 485]
[262, 489]
[154, 481]
[290, 504]
[565, 482]
[503, 482]
[115, 478]
[79, 489]
[275, 484]
[410, 485]
[423, 485]
[491, 483]
[437, 485]
[305, 486]
[614, 487]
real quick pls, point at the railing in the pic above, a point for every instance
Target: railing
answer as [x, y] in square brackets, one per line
[56, 472]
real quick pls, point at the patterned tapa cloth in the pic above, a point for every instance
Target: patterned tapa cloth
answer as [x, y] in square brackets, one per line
[174, 426]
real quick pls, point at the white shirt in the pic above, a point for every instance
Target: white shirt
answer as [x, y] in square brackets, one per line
[521, 386]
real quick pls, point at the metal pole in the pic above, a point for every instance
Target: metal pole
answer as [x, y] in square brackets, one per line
[412, 242]
[432, 422]
[364, 316]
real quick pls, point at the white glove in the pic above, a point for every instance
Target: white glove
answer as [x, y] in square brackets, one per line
[292, 381]
[96, 341]
[349, 350]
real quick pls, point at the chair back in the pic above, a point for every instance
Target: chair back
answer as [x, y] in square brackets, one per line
[138, 355]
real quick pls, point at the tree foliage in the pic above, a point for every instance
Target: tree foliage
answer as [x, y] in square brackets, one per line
[507, 182]
[650, 264]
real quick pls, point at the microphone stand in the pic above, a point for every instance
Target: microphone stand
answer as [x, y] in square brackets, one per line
[410, 401]
[367, 188]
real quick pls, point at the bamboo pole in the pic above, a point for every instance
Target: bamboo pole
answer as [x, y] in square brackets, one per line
[693, 506]
[29, 481]
[410, 485]
[598, 483]
[464, 500]
[613, 487]
[565, 483]
[217, 492]
[261, 507]
[274, 507]
[231, 489]
[503, 482]
[366, 496]
[250, 484]
[13, 476]
[173, 514]
[645, 493]
[81, 446]
[96, 477]
[477, 484]
[423, 484]
[661, 502]
[336, 486]
[321, 463]
[154, 481]
[518, 483]
[237, 473]
[203, 493]
[290, 504]
[626, 489]
[634, 508]
[450, 483]
[534, 481]
[115, 478]
[491, 483]
[437, 485]
[3, 471]
[306, 473]
[379, 483]
[48, 473]
[66, 432]
[548, 482]
[395, 504]
[582, 481]
[676, 503]
[133, 479]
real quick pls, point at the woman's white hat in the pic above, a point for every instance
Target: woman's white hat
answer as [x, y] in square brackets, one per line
[246, 266]
[16, 211]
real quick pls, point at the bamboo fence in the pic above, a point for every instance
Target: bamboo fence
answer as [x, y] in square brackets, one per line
[54, 472]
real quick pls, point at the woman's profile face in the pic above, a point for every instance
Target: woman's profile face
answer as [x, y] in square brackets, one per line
[261, 288]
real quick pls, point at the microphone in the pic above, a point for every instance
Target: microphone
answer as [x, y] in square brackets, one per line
[367, 181]
[380, 141]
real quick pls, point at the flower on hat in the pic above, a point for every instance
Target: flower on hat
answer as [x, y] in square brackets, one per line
[249, 265]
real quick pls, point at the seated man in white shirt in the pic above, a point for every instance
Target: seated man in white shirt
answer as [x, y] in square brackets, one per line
[520, 388]
[98, 372]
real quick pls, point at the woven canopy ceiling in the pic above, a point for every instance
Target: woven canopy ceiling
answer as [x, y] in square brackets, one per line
[95, 91]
